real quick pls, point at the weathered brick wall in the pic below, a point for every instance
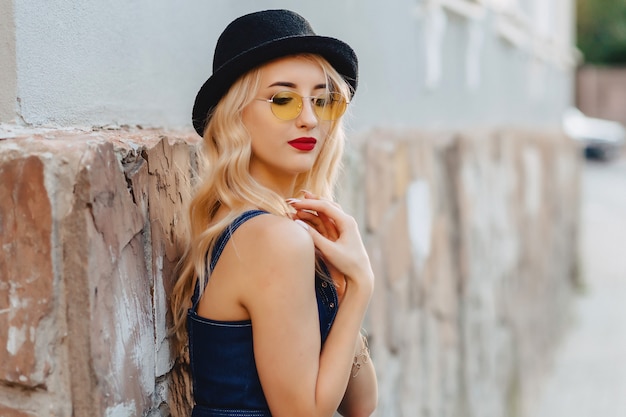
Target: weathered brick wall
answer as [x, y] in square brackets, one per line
[472, 236]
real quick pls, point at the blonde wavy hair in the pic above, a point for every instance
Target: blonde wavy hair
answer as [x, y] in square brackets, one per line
[224, 180]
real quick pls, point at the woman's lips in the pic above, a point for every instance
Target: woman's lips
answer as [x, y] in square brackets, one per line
[303, 144]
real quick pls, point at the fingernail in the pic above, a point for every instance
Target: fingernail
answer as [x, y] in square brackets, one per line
[303, 224]
[292, 200]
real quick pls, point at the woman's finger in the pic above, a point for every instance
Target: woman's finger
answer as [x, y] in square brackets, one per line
[329, 226]
[324, 207]
[320, 242]
[312, 220]
[320, 221]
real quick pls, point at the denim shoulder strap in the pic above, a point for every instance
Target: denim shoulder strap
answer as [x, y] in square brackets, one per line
[221, 242]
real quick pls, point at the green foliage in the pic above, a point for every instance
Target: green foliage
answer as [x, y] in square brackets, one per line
[601, 31]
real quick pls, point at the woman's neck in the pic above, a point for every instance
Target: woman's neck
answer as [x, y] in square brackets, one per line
[282, 185]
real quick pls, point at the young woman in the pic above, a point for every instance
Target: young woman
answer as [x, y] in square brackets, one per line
[273, 289]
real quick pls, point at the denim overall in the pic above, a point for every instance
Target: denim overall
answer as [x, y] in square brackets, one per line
[224, 375]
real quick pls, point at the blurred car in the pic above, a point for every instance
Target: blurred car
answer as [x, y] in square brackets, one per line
[601, 139]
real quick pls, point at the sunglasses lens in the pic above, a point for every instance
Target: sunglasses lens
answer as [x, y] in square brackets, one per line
[286, 105]
[330, 106]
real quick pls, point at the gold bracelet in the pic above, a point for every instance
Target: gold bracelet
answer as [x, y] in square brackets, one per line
[360, 358]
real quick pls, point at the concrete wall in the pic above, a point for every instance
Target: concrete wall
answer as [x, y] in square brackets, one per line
[8, 74]
[472, 236]
[432, 63]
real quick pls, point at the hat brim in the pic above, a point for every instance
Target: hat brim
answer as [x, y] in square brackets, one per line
[339, 54]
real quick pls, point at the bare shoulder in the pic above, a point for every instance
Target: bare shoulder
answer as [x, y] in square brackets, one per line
[268, 238]
[257, 266]
[269, 233]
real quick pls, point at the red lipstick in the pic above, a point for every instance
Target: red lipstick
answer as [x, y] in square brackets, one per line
[303, 144]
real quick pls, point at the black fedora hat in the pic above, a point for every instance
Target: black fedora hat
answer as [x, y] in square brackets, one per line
[260, 37]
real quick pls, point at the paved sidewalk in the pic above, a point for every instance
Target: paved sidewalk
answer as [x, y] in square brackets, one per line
[589, 375]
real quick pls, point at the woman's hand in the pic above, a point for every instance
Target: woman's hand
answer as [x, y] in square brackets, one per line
[325, 226]
[336, 236]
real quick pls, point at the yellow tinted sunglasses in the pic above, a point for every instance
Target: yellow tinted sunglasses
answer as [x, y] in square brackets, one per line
[287, 105]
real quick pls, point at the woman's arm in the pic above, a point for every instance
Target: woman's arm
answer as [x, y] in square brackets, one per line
[278, 259]
[361, 397]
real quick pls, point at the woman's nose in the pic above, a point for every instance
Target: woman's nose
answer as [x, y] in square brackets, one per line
[307, 117]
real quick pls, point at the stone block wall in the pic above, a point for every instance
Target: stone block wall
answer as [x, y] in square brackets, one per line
[89, 231]
[472, 235]
[473, 238]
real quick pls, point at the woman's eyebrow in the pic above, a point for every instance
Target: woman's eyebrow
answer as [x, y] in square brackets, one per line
[283, 84]
[293, 85]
